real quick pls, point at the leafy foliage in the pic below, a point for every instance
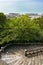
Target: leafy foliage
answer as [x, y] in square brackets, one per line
[22, 28]
[2, 20]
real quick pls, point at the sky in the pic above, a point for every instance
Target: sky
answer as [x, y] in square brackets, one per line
[21, 6]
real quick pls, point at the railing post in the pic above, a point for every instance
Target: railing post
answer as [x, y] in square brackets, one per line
[0, 53]
[2, 49]
[25, 52]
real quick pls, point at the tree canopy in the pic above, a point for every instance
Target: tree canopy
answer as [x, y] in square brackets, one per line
[21, 28]
[2, 19]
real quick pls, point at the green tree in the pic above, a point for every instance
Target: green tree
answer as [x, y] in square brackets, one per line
[22, 28]
[2, 19]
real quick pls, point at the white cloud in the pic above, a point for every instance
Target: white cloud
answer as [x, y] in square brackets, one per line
[7, 5]
[12, 0]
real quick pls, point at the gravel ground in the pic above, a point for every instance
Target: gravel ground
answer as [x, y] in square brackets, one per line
[15, 56]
